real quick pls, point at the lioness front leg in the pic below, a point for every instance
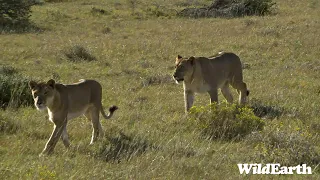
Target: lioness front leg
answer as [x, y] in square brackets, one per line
[55, 136]
[188, 99]
[213, 95]
[242, 90]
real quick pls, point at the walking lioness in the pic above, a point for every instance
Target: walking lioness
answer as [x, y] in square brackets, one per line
[65, 102]
[201, 74]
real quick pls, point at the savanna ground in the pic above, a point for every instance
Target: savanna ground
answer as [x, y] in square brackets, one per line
[134, 44]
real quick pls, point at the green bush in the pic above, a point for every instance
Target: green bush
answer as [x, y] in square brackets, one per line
[14, 90]
[225, 121]
[15, 12]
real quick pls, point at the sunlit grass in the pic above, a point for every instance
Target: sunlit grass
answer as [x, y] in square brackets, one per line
[134, 63]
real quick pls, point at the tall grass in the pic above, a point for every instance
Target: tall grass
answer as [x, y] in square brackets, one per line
[14, 89]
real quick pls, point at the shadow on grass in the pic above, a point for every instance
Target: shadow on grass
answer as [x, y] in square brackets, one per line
[20, 29]
[266, 111]
[123, 147]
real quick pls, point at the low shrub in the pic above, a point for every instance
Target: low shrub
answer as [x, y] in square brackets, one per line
[100, 11]
[230, 8]
[225, 121]
[156, 79]
[79, 53]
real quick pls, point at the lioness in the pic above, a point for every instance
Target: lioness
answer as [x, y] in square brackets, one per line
[201, 74]
[65, 102]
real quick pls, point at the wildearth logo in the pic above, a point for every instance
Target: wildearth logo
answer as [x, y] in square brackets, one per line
[273, 169]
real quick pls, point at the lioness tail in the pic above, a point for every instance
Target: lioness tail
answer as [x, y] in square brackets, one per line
[111, 111]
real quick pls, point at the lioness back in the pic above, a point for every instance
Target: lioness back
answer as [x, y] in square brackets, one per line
[227, 64]
[222, 67]
[86, 90]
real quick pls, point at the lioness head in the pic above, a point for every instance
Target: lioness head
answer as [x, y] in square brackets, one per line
[42, 93]
[184, 68]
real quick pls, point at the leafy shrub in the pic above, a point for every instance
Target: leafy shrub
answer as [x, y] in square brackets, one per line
[15, 12]
[225, 121]
[14, 90]
[285, 145]
[78, 53]
[230, 8]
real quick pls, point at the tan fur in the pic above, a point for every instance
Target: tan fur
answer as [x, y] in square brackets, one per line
[65, 102]
[201, 74]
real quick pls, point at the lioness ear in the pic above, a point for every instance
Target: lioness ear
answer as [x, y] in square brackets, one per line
[178, 59]
[51, 83]
[192, 59]
[32, 84]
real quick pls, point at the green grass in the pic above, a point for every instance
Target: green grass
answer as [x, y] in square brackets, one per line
[134, 62]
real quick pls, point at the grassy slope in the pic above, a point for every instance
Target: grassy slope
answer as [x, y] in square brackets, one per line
[282, 51]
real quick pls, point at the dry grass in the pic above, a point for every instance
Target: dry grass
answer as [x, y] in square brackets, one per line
[133, 62]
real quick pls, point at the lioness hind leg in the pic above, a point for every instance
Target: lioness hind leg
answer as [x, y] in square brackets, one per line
[225, 90]
[65, 137]
[93, 115]
[241, 88]
[213, 95]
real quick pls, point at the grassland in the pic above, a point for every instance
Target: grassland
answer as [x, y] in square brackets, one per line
[135, 44]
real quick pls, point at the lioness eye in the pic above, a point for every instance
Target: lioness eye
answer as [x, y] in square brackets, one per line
[46, 92]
